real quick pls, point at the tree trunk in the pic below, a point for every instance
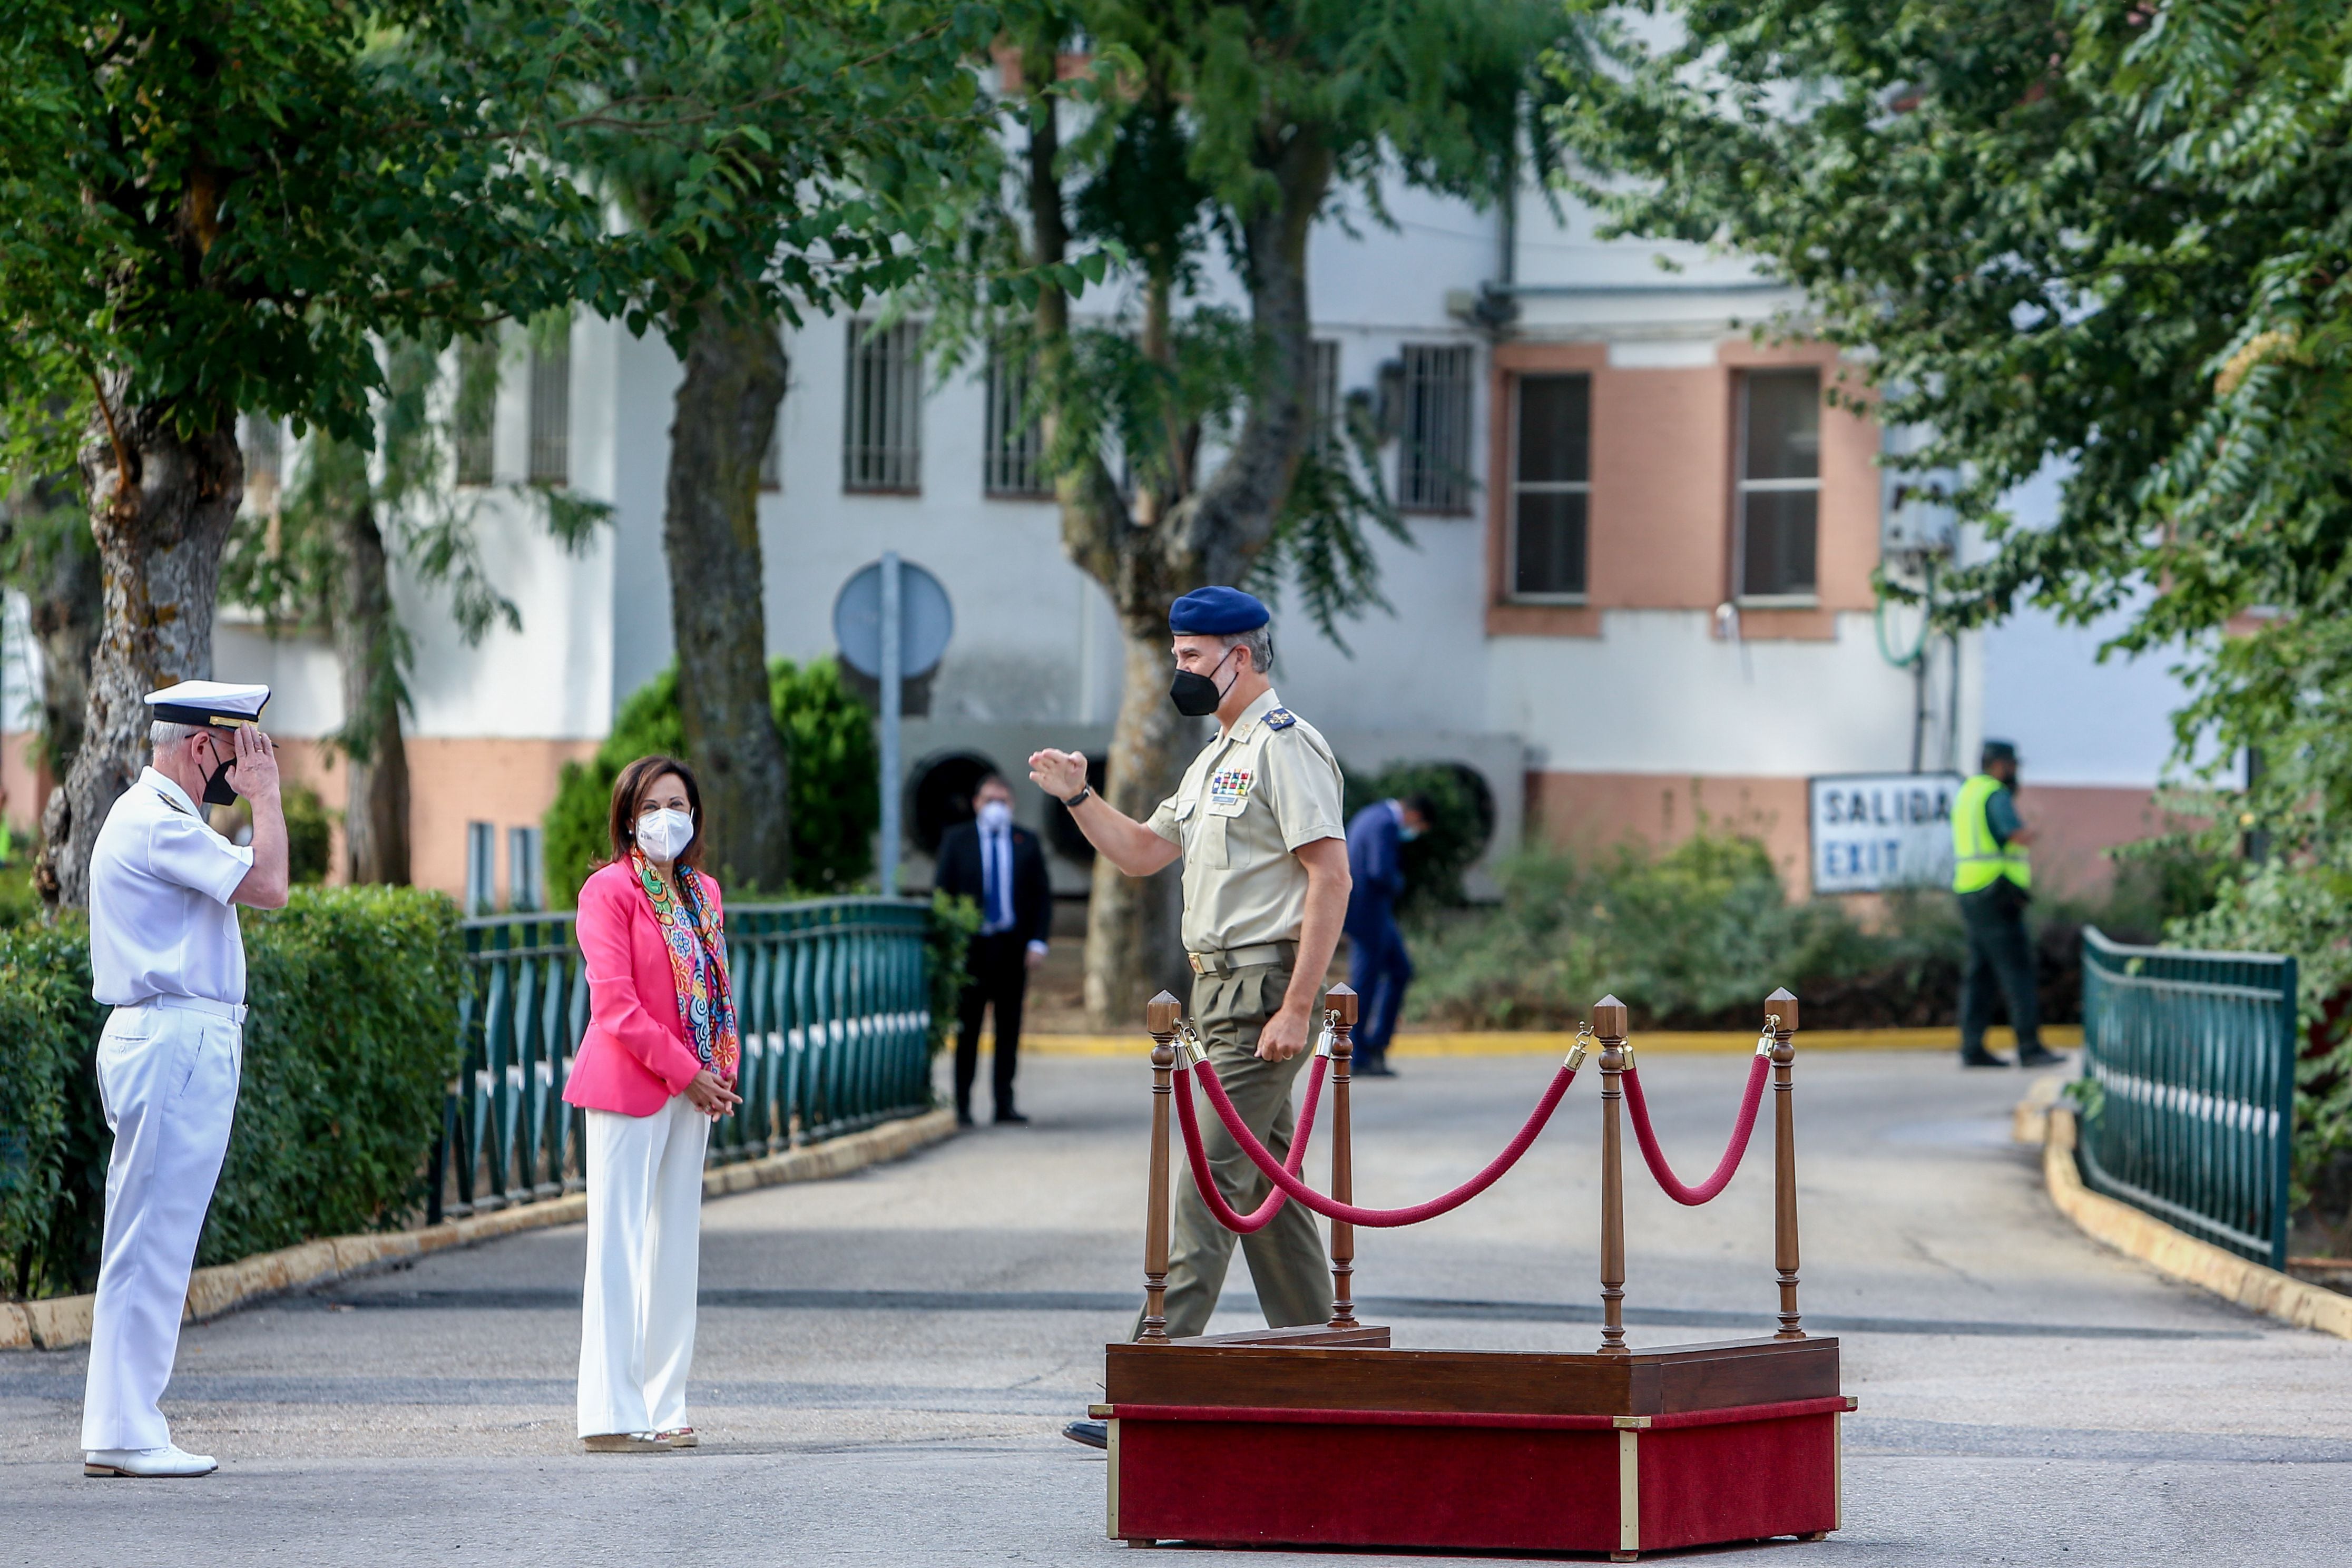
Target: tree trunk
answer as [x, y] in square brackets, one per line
[367, 643]
[1168, 545]
[55, 561]
[726, 413]
[1134, 926]
[160, 510]
[66, 614]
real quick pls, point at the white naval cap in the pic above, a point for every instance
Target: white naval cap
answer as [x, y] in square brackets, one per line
[217, 704]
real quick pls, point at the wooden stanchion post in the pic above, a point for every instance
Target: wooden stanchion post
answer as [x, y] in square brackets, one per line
[1780, 1011]
[1340, 1006]
[1609, 1026]
[1159, 1016]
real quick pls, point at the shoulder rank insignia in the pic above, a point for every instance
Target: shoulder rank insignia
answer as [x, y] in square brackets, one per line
[1280, 718]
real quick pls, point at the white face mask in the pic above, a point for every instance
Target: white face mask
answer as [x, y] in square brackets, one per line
[662, 833]
[995, 816]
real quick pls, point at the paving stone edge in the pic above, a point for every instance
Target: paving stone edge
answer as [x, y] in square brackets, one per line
[2170, 1251]
[63, 1322]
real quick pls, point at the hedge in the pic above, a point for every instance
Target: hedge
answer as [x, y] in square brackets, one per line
[348, 1051]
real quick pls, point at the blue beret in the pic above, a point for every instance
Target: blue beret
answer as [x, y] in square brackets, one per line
[1216, 613]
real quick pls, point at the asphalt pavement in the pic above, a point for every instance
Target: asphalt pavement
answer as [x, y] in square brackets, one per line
[885, 1361]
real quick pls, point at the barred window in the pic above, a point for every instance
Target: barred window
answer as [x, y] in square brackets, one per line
[1434, 470]
[526, 869]
[1551, 488]
[882, 428]
[551, 407]
[1780, 488]
[1014, 463]
[1323, 396]
[477, 412]
[481, 868]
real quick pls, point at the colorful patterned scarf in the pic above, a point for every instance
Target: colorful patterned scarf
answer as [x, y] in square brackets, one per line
[697, 962]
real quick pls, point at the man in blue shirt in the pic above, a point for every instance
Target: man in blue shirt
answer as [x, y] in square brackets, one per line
[1379, 967]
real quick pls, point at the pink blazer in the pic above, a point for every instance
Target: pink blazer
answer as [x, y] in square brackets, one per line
[637, 1053]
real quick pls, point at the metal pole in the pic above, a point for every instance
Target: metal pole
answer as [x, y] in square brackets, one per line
[891, 652]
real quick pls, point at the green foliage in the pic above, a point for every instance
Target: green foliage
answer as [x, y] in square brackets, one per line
[955, 921]
[52, 1195]
[1695, 936]
[1458, 829]
[19, 899]
[348, 1051]
[309, 833]
[2108, 239]
[1319, 540]
[829, 738]
[837, 769]
[222, 209]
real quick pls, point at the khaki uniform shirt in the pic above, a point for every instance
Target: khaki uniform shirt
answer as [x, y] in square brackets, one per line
[1254, 794]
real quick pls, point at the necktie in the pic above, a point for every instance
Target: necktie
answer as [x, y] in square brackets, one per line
[996, 890]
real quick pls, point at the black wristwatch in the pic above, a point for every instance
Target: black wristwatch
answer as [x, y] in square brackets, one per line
[1080, 799]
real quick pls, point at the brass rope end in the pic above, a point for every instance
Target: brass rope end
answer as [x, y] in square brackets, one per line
[1576, 1050]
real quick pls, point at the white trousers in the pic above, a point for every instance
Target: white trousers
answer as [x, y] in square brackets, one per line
[644, 1240]
[168, 1080]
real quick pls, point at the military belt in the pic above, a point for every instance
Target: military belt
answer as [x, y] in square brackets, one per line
[1233, 958]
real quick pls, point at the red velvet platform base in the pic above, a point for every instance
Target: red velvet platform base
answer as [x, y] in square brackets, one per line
[1308, 1437]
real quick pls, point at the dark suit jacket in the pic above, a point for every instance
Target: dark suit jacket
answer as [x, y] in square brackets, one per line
[1032, 893]
[1375, 868]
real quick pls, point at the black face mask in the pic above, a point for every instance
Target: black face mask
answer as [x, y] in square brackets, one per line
[218, 791]
[1196, 695]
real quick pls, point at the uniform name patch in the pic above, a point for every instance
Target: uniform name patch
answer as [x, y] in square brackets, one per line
[1229, 789]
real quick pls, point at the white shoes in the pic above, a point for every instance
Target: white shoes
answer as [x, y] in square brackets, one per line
[146, 1463]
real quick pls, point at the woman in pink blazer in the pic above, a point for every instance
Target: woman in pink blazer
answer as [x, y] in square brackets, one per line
[655, 1069]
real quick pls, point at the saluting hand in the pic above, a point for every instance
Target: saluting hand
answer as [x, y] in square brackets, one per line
[255, 773]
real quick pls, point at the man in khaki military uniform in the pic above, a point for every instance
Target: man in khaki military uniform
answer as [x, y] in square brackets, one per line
[1257, 819]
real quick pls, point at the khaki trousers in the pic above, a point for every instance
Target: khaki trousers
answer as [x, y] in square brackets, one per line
[1287, 1259]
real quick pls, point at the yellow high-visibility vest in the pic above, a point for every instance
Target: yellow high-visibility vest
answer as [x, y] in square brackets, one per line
[1979, 860]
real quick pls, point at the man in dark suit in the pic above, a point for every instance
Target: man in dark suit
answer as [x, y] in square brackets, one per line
[1378, 966]
[1001, 868]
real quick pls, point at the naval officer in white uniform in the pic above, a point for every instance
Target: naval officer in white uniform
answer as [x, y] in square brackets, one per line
[166, 953]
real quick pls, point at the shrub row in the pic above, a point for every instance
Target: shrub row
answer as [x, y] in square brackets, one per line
[347, 1051]
[1697, 936]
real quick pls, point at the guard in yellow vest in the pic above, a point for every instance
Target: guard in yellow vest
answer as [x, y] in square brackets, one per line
[1992, 877]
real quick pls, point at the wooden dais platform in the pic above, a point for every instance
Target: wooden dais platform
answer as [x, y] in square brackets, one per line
[1329, 1436]
[1317, 1437]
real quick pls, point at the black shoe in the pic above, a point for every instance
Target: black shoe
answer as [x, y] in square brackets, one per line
[1011, 1119]
[963, 1118]
[1093, 1434]
[1983, 1059]
[2040, 1057]
[1373, 1067]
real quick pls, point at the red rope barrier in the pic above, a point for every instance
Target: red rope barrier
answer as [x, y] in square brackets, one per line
[1694, 1197]
[1258, 1217]
[1331, 1208]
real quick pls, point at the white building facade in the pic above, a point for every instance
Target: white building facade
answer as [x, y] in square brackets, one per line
[1639, 589]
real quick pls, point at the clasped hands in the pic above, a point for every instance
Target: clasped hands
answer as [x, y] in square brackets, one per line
[712, 1095]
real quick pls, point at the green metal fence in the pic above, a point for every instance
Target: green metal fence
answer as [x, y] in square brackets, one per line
[2194, 1057]
[834, 1001]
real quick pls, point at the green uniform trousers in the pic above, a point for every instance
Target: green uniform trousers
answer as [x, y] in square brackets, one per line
[1287, 1259]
